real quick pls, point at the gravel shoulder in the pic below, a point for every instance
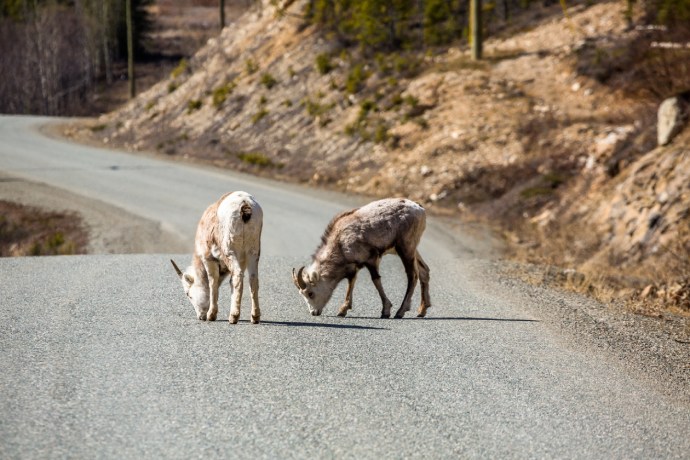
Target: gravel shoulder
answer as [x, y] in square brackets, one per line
[655, 349]
[112, 230]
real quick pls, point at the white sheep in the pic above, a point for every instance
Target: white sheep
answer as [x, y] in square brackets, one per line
[228, 241]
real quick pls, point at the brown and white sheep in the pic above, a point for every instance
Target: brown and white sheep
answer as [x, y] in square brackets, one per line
[359, 238]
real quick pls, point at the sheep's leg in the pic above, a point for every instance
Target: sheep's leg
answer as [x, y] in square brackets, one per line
[253, 273]
[423, 269]
[213, 272]
[237, 286]
[347, 305]
[412, 276]
[376, 278]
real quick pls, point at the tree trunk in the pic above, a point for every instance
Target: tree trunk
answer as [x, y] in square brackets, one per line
[476, 28]
[222, 14]
[105, 35]
[130, 49]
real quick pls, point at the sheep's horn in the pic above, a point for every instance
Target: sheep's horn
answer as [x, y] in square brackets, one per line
[297, 278]
[177, 269]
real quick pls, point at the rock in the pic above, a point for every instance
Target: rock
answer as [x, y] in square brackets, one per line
[613, 140]
[425, 171]
[670, 119]
[648, 292]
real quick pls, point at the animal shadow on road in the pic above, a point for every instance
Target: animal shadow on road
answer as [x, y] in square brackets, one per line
[326, 325]
[450, 318]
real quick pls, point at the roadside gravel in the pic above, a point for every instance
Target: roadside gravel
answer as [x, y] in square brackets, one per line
[112, 230]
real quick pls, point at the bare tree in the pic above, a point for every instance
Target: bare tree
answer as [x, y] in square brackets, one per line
[130, 50]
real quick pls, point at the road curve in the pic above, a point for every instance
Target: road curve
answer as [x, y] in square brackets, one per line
[102, 356]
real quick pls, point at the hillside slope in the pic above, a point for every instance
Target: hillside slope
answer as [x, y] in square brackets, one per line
[522, 139]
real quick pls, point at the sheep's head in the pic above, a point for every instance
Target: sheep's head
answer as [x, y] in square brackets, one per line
[315, 289]
[195, 291]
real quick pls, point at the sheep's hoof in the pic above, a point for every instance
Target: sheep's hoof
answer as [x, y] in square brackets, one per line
[233, 319]
[202, 317]
[385, 315]
[255, 319]
[211, 317]
[343, 311]
[421, 312]
[399, 315]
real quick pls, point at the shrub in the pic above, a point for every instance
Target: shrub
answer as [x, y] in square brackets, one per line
[411, 101]
[439, 25]
[258, 159]
[193, 105]
[180, 69]
[268, 80]
[381, 133]
[323, 63]
[316, 109]
[251, 66]
[258, 116]
[221, 93]
[355, 79]
[422, 123]
[406, 65]
[172, 86]
[364, 108]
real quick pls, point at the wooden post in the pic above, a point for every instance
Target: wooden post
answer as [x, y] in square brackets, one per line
[476, 28]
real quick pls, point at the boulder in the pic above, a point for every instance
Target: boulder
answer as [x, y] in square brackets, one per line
[671, 119]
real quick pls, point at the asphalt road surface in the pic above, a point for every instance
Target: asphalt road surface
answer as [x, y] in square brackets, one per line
[102, 357]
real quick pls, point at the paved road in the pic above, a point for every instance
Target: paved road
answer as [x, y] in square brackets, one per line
[101, 355]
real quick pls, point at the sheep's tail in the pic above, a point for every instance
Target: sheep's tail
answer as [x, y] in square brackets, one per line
[246, 212]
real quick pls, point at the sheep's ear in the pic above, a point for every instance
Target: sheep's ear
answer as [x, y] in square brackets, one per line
[313, 277]
[189, 278]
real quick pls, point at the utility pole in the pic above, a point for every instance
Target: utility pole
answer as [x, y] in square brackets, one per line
[222, 14]
[476, 28]
[130, 49]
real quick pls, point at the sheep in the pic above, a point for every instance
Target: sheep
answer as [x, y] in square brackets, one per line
[228, 241]
[359, 238]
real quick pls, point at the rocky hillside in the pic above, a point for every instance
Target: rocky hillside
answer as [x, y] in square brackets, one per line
[528, 138]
